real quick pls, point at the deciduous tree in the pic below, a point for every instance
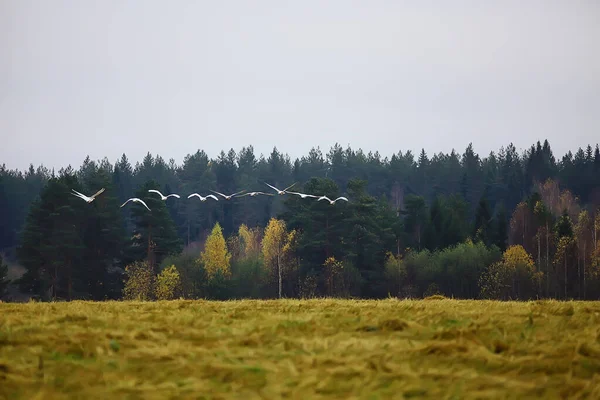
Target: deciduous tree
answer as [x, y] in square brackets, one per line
[272, 247]
[140, 281]
[168, 284]
[216, 257]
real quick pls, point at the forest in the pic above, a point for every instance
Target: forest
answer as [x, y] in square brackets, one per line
[502, 226]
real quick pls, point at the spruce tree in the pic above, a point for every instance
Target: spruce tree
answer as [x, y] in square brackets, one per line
[51, 244]
[104, 237]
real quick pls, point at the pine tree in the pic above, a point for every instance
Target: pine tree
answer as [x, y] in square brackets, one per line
[366, 249]
[196, 175]
[155, 235]
[321, 225]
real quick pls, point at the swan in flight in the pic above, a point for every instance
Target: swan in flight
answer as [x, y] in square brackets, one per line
[280, 192]
[212, 196]
[304, 195]
[136, 200]
[162, 197]
[252, 194]
[332, 201]
[86, 198]
[227, 197]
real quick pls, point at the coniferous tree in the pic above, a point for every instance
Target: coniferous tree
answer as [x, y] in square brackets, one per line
[483, 219]
[103, 231]
[500, 228]
[367, 249]
[3, 277]
[154, 236]
[415, 219]
[51, 244]
[322, 226]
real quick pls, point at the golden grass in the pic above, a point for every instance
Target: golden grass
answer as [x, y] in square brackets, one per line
[300, 349]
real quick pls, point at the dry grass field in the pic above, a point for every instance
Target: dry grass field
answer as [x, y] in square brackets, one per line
[300, 349]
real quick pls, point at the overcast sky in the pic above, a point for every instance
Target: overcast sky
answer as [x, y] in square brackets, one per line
[106, 77]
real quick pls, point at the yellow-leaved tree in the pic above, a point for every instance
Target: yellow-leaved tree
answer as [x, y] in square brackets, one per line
[521, 268]
[514, 277]
[215, 257]
[140, 281]
[168, 284]
[250, 241]
[273, 245]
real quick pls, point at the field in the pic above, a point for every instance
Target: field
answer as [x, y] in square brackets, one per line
[300, 349]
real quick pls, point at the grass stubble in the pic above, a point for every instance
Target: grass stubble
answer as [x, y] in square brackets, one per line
[300, 349]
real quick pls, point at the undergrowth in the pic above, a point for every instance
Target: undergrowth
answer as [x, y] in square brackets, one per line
[443, 349]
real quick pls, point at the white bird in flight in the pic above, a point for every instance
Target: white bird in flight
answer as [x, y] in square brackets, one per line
[252, 194]
[86, 198]
[162, 197]
[136, 200]
[304, 195]
[332, 201]
[227, 197]
[212, 196]
[280, 192]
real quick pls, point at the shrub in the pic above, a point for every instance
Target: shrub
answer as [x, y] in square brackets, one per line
[168, 284]
[140, 281]
[512, 278]
[191, 274]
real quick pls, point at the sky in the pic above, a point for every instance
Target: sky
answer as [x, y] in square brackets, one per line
[102, 78]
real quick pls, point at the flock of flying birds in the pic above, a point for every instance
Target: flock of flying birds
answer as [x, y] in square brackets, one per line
[212, 196]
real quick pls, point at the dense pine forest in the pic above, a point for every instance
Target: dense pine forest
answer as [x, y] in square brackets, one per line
[501, 226]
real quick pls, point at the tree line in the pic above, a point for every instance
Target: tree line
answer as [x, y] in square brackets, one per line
[507, 225]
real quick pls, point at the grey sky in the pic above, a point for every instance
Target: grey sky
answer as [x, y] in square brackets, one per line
[106, 77]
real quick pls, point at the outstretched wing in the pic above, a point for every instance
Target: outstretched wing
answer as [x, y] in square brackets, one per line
[142, 201]
[97, 193]
[156, 191]
[174, 195]
[126, 202]
[266, 194]
[289, 187]
[341, 198]
[79, 195]
[193, 194]
[323, 198]
[241, 191]
[212, 196]
[220, 194]
[272, 187]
